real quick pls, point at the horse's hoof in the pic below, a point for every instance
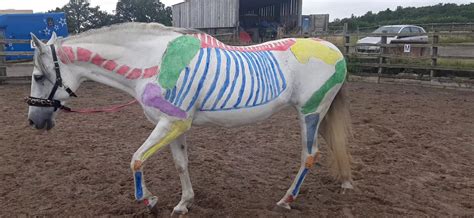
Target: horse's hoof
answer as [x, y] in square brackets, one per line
[346, 186]
[284, 205]
[151, 204]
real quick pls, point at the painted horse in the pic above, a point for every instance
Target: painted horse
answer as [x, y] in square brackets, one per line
[184, 77]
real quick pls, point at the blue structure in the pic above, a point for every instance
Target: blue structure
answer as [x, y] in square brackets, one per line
[19, 26]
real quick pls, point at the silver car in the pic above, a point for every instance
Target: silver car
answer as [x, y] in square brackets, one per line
[371, 44]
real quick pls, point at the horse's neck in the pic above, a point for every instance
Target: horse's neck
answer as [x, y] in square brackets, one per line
[116, 66]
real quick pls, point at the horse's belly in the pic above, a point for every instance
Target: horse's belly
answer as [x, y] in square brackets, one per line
[239, 117]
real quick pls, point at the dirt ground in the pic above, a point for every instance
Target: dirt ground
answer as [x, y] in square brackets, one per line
[413, 150]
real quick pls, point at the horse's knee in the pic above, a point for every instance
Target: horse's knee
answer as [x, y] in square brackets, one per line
[180, 165]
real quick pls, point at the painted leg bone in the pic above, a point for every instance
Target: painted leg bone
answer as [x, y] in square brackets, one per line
[165, 132]
[310, 155]
[180, 157]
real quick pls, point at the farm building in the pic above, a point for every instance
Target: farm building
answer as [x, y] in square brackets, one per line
[259, 19]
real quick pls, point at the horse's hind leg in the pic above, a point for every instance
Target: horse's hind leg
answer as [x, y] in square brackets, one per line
[180, 157]
[309, 156]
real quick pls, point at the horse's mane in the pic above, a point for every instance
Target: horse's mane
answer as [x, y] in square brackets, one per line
[132, 27]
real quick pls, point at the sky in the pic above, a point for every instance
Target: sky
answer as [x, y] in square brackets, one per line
[335, 8]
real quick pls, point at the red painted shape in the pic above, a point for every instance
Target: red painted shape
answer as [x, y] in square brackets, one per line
[135, 74]
[208, 41]
[66, 54]
[146, 202]
[98, 60]
[123, 70]
[110, 65]
[150, 72]
[290, 199]
[83, 54]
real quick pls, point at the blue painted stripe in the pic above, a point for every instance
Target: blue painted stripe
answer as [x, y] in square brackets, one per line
[300, 181]
[226, 81]
[236, 76]
[265, 76]
[138, 185]
[272, 64]
[283, 79]
[272, 92]
[260, 98]
[181, 89]
[168, 94]
[216, 78]
[252, 77]
[201, 82]
[173, 94]
[257, 77]
[196, 68]
[276, 88]
[311, 122]
[242, 86]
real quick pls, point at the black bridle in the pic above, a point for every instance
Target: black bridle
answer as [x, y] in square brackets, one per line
[50, 101]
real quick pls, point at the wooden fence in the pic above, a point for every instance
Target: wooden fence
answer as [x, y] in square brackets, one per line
[3, 54]
[412, 53]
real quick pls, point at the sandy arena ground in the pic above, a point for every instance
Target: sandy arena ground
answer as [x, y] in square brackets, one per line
[413, 151]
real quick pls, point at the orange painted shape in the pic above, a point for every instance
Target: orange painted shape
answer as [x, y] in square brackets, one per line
[309, 162]
[137, 165]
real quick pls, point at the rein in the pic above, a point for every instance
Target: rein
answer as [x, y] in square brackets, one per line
[56, 104]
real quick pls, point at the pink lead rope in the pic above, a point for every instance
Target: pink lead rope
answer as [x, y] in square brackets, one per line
[112, 109]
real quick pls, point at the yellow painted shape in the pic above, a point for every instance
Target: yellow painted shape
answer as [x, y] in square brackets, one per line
[177, 129]
[304, 49]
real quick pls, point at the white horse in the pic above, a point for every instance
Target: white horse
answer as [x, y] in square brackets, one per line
[183, 77]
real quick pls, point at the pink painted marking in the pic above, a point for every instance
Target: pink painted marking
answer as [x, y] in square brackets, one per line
[110, 65]
[135, 74]
[123, 70]
[83, 54]
[66, 54]
[151, 72]
[98, 60]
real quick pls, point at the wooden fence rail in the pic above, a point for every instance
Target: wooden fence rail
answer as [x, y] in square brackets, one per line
[381, 59]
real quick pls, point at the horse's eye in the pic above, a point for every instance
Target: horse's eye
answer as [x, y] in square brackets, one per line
[38, 77]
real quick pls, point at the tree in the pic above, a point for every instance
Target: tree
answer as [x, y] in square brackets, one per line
[143, 11]
[82, 17]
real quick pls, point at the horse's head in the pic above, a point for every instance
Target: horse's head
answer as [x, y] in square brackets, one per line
[49, 84]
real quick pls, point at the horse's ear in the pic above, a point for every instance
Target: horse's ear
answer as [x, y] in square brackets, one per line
[54, 37]
[38, 44]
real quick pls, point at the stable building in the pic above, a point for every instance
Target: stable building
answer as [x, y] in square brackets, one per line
[260, 19]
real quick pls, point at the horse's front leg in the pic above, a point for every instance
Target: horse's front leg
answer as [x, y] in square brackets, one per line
[165, 132]
[180, 157]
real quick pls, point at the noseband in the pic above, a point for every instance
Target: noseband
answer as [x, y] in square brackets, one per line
[50, 101]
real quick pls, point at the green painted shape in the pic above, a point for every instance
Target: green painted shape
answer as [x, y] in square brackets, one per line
[177, 56]
[313, 103]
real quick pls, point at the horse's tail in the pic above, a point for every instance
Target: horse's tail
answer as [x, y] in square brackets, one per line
[336, 130]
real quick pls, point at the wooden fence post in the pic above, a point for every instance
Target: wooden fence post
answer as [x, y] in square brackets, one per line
[347, 46]
[434, 54]
[381, 58]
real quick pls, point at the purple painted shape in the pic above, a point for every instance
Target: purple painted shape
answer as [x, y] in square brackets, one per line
[152, 97]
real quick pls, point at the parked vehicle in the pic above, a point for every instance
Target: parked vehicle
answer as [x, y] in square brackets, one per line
[405, 34]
